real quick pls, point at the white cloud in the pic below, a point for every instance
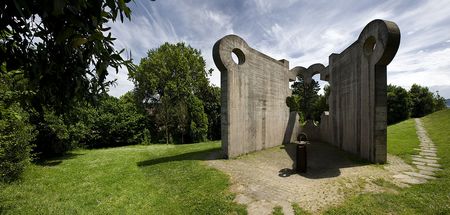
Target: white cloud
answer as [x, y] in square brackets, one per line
[303, 32]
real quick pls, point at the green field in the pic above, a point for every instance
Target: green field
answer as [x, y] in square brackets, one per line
[155, 179]
[170, 179]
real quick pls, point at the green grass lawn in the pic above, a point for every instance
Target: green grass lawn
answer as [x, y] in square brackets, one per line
[402, 140]
[170, 179]
[155, 179]
[430, 198]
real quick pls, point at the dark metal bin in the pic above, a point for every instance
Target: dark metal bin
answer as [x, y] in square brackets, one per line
[301, 156]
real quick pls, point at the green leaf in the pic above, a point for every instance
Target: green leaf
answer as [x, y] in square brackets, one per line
[77, 42]
[58, 7]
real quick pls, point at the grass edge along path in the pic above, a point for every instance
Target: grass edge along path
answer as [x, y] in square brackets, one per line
[155, 179]
[402, 139]
[429, 198]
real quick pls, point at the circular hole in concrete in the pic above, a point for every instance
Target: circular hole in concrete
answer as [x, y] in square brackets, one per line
[369, 45]
[238, 56]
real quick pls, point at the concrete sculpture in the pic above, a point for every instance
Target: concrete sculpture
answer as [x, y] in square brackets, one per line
[254, 91]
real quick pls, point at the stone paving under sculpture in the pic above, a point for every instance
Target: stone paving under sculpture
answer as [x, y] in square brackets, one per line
[254, 91]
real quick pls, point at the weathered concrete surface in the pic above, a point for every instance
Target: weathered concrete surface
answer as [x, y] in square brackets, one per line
[254, 91]
[358, 91]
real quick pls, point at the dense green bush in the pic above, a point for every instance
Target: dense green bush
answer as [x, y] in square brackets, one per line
[211, 103]
[16, 133]
[422, 101]
[112, 122]
[199, 120]
[53, 135]
[398, 104]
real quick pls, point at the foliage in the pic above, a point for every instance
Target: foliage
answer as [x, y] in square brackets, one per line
[16, 133]
[53, 135]
[113, 122]
[63, 47]
[211, 103]
[439, 102]
[321, 104]
[168, 84]
[306, 100]
[422, 101]
[199, 120]
[164, 116]
[63, 51]
[398, 104]
[168, 180]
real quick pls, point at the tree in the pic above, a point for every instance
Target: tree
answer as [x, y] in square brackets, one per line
[304, 98]
[63, 50]
[112, 122]
[398, 104]
[439, 102]
[169, 77]
[63, 47]
[422, 101]
[211, 103]
[321, 104]
[165, 113]
[199, 120]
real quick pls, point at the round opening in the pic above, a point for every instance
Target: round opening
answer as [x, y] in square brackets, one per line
[238, 56]
[369, 45]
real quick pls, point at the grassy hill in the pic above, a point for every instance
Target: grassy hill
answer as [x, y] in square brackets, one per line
[430, 198]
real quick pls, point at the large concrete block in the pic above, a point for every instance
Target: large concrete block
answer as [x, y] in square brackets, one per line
[254, 91]
[358, 91]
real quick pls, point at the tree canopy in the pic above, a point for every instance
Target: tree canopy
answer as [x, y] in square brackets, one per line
[168, 84]
[398, 104]
[306, 99]
[63, 48]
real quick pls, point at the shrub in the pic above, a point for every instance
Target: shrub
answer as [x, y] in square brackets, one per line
[16, 133]
[398, 104]
[15, 136]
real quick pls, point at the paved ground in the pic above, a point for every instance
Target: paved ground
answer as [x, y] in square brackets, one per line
[263, 180]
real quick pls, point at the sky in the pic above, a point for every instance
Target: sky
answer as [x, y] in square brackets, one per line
[302, 32]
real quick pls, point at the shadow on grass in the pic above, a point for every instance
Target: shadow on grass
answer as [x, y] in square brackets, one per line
[210, 154]
[323, 161]
[56, 160]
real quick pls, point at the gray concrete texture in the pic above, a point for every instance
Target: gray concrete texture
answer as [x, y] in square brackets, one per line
[254, 92]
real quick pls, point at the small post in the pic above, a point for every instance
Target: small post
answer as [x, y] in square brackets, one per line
[301, 163]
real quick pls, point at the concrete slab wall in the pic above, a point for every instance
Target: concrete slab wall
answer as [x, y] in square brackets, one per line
[358, 91]
[254, 91]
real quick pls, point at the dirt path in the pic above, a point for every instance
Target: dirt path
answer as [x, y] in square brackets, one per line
[263, 180]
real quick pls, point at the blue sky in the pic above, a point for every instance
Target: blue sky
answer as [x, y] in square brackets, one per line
[303, 32]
